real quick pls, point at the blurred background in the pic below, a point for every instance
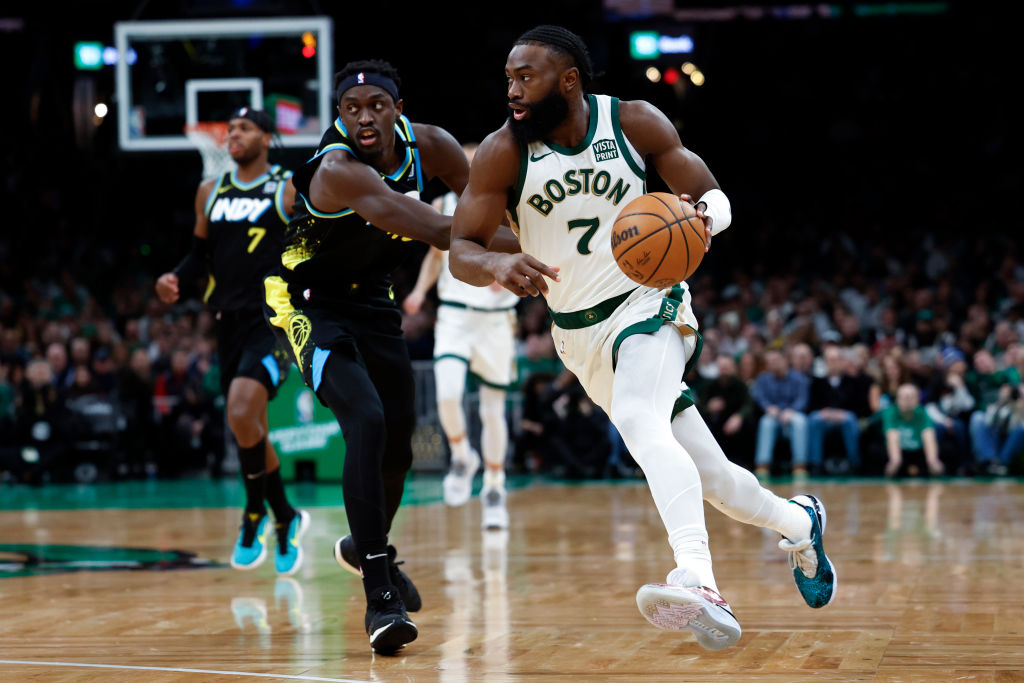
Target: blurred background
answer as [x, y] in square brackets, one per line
[871, 152]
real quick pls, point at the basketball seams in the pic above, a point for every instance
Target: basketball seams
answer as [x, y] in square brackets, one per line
[642, 213]
[664, 254]
[640, 241]
[700, 232]
[654, 195]
[665, 218]
[682, 233]
[668, 246]
[664, 226]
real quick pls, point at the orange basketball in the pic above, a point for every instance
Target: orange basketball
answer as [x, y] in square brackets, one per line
[658, 240]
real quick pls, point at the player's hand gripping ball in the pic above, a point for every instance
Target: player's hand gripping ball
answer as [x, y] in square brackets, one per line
[658, 240]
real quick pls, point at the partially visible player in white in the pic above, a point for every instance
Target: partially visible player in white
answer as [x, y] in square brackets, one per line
[475, 331]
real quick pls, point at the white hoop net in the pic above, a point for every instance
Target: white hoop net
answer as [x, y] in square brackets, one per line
[210, 138]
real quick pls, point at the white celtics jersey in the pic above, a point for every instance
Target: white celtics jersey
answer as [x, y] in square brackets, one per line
[567, 201]
[453, 290]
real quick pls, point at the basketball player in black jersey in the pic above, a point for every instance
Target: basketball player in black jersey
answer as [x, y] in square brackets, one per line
[357, 214]
[238, 237]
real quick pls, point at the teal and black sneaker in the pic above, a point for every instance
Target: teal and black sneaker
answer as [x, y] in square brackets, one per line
[251, 547]
[288, 554]
[813, 571]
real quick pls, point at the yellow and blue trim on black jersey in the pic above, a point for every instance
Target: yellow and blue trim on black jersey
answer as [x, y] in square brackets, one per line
[403, 129]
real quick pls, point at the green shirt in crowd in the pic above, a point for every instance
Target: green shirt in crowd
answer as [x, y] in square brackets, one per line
[910, 429]
[985, 388]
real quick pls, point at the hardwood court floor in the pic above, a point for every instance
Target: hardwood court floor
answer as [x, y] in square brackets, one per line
[931, 587]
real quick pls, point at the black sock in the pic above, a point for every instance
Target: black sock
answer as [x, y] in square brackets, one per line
[278, 500]
[253, 464]
[373, 560]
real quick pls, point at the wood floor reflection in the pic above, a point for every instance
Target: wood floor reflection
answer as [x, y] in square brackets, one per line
[931, 587]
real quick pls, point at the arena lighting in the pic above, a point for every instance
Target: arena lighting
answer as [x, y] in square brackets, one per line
[675, 45]
[100, 110]
[29, 454]
[643, 45]
[88, 56]
[688, 68]
[651, 44]
[308, 45]
[671, 75]
[697, 78]
[653, 75]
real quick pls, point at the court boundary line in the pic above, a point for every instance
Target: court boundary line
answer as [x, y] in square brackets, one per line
[293, 677]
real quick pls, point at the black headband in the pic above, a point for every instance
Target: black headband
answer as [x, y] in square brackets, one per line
[368, 78]
[259, 117]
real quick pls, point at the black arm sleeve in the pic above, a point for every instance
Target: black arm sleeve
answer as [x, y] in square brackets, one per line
[195, 264]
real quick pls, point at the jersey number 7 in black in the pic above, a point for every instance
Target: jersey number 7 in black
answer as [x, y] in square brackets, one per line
[592, 224]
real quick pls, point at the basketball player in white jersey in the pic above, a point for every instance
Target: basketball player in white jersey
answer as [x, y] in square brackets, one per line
[475, 331]
[564, 165]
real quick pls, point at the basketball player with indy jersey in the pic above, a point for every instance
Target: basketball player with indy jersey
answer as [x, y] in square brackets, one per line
[475, 331]
[564, 165]
[238, 236]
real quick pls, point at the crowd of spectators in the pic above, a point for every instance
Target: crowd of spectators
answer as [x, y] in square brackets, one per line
[864, 363]
[85, 392]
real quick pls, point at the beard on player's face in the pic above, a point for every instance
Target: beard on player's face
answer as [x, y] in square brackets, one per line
[246, 155]
[545, 116]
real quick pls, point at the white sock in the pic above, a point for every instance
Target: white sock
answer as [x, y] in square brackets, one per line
[460, 450]
[494, 479]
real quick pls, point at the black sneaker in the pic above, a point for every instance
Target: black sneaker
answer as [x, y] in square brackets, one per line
[387, 624]
[346, 555]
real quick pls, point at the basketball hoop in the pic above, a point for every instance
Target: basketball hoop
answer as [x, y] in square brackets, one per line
[210, 138]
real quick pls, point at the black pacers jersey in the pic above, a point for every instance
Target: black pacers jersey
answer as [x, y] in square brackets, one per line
[327, 253]
[246, 235]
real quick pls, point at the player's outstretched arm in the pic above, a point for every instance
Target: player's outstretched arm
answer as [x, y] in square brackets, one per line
[194, 264]
[444, 158]
[657, 140]
[477, 217]
[343, 182]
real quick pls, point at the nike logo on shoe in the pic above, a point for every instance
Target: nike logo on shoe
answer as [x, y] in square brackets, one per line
[373, 636]
[374, 557]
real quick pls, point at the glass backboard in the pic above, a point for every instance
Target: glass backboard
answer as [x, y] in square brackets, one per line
[185, 72]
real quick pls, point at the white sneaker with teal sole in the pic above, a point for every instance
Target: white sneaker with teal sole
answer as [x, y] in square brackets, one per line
[814, 573]
[681, 604]
[288, 552]
[251, 546]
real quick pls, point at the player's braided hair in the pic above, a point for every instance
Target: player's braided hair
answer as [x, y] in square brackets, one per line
[374, 66]
[565, 41]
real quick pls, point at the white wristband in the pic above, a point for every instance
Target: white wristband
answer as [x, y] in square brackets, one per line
[718, 208]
